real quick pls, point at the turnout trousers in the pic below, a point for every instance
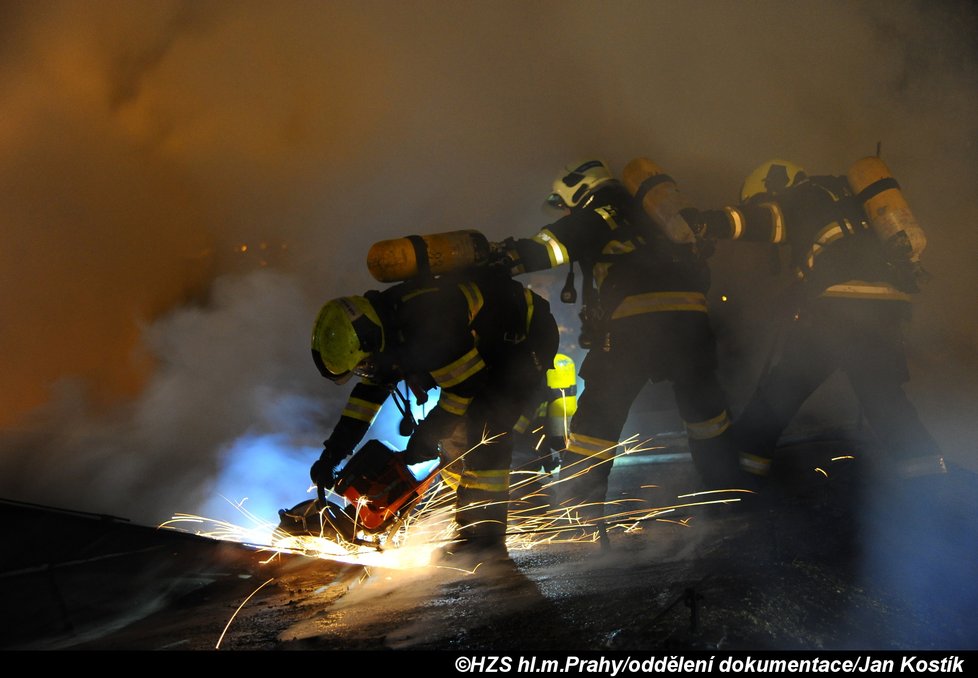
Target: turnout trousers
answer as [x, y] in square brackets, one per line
[676, 346]
[863, 339]
[479, 460]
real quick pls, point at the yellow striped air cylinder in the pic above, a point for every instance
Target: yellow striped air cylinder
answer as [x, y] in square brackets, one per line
[434, 254]
[874, 186]
[562, 382]
[660, 197]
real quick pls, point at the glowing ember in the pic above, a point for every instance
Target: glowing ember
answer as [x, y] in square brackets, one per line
[243, 603]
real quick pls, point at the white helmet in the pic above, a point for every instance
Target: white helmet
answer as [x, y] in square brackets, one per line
[578, 181]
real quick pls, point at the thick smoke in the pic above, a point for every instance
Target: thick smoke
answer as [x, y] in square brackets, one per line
[157, 159]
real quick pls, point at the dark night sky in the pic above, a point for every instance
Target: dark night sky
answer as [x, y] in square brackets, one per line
[141, 143]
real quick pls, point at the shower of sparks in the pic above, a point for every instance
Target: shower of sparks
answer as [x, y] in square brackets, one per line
[532, 519]
[697, 494]
[243, 603]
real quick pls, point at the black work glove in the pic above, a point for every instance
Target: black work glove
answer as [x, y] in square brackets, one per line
[423, 445]
[910, 276]
[323, 471]
[505, 255]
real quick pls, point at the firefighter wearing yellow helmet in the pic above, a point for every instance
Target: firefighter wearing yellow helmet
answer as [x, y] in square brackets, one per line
[644, 318]
[855, 251]
[483, 339]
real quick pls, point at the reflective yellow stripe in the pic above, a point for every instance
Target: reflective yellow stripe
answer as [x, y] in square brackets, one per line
[522, 424]
[555, 249]
[736, 222]
[618, 247]
[362, 410]
[592, 448]
[827, 235]
[859, 289]
[528, 295]
[473, 297]
[711, 428]
[653, 302]
[456, 372]
[418, 293]
[451, 478]
[608, 217]
[777, 227]
[495, 480]
[758, 466]
[452, 403]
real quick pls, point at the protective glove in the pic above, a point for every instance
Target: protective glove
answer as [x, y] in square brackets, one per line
[911, 277]
[505, 255]
[323, 471]
[921, 275]
[423, 445]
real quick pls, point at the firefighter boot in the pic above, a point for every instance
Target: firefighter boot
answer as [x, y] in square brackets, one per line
[480, 516]
[718, 464]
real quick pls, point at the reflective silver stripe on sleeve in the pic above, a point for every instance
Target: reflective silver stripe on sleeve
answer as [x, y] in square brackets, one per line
[827, 235]
[777, 219]
[555, 249]
[736, 222]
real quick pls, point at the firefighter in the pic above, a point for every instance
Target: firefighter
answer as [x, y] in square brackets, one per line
[644, 318]
[857, 264]
[485, 340]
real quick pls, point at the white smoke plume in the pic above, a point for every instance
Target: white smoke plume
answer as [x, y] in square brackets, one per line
[155, 157]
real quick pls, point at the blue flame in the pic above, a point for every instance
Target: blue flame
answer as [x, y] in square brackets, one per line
[268, 472]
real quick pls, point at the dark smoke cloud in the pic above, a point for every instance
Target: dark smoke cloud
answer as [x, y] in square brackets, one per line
[142, 144]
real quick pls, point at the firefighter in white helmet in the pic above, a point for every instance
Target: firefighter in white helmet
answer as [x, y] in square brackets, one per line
[855, 251]
[644, 318]
[484, 340]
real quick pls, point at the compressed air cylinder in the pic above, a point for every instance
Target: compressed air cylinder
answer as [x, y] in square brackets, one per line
[435, 254]
[660, 198]
[562, 403]
[888, 212]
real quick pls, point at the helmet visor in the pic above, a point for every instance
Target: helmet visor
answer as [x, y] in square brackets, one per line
[555, 201]
[335, 377]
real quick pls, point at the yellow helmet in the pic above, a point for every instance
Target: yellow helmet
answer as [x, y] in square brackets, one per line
[771, 177]
[346, 332]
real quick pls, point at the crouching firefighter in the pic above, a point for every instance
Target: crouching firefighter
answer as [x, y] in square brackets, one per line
[855, 249]
[483, 339]
[644, 317]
